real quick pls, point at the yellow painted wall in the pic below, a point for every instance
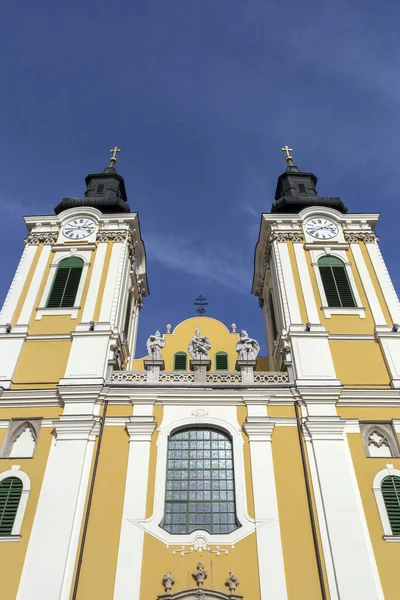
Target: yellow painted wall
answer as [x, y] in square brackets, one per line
[359, 363]
[369, 413]
[220, 338]
[158, 559]
[41, 364]
[343, 323]
[297, 543]
[101, 551]
[387, 555]
[12, 554]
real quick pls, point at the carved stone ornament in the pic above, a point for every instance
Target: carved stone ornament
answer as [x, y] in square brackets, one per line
[232, 582]
[168, 581]
[368, 237]
[246, 347]
[154, 345]
[200, 575]
[199, 346]
[119, 235]
[47, 237]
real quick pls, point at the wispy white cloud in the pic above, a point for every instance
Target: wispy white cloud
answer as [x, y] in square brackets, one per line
[205, 260]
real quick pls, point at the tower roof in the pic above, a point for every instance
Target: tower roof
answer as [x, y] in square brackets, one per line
[296, 190]
[104, 191]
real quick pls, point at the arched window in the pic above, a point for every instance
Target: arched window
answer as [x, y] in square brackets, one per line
[390, 487]
[10, 497]
[66, 283]
[335, 281]
[180, 361]
[221, 361]
[200, 489]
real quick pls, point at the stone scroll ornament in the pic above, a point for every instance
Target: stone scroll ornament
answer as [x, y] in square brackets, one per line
[246, 347]
[154, 345]
[200, 575]
[199, 346]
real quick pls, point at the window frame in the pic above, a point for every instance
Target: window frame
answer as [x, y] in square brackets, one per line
[221, 353]
[181, 352]
[385, 429]
[376, 487]
[61, 254]
[78, 265]
[26, 489]
[212, 419]
[358, 309]
[13, 431]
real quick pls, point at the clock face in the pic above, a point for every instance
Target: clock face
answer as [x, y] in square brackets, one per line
[78, 229]
[322, 229]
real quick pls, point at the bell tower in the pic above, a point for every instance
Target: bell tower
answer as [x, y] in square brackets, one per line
[330, 309]
[71, 313]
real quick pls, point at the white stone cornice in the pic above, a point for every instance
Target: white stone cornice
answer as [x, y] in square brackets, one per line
[259, 429]
[76, 427]
[330, 428]
[140, 428]
[80, 393]
[318, 394]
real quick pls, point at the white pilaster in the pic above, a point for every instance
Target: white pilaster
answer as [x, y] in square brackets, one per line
[29, 304]
[50, 557]
[343, 517]
[385, 281]
[111, 287]
[130, 554]
[269, 545]
[18, 283]
[368, 286]
[94, 285]
[290, 287]
[306, 286]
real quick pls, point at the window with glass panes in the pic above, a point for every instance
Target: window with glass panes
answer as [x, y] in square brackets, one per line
[200, 488]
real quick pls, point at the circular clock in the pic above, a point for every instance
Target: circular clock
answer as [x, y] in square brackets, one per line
[78, 229]
[322, 229]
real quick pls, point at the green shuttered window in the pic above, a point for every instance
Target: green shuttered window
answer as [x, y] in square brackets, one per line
[221, 361]
[10, 496]
[200, 487]
[335, 281]
[66, 283]
[390, 487]
[180, 361]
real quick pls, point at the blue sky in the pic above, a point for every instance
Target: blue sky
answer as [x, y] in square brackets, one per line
[200, 95]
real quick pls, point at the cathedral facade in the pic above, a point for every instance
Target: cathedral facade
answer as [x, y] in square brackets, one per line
[202, 470]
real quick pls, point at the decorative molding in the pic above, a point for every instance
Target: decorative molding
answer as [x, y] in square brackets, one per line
[119, 235]
[45, 237]
[259, 429]
[15, 428]
[379, 434]
[200, 545]
[330, 428]
[200, 575]
[353, 237]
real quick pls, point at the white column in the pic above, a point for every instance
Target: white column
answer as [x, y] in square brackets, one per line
[269, 545]
[50, 557]
[344, 522]
[29, 304]
[18, 283]
[368, 286]
[130, 553]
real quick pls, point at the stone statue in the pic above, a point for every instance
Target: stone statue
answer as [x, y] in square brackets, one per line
[246, 347]
[168, 581]
[154, 345]
[200, 575]
[199, 346]
[232, 582]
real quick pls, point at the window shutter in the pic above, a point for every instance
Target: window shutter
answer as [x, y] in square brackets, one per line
[10, 496]
[391, 495]
[66, 283]
[335, 281]
[180, 361]
[221, 361]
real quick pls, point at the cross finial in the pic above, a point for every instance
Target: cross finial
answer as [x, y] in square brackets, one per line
[288, 151]
[114, 154]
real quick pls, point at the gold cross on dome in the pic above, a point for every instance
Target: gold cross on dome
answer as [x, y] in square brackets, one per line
[288, 151]
[114, 153]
